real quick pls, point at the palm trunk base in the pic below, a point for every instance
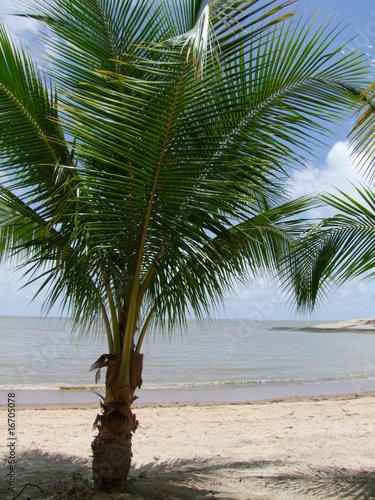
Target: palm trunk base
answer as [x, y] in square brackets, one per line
[112, 447]
[111, 464]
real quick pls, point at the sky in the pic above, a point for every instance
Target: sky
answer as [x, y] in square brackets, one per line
[259, 300]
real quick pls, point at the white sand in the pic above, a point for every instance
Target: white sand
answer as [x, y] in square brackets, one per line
[307, 448]
[362, 324]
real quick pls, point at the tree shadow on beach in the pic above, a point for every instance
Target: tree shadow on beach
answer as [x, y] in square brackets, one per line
[40, 474]
[60, 477]
[67, 477]
[196, 478]
[330, 482]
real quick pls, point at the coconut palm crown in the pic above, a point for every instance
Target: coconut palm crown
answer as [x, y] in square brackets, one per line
[143, 167]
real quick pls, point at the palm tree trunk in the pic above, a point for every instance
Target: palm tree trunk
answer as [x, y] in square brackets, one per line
[112, 447]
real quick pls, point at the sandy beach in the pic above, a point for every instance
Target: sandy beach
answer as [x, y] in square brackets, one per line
[317, 447]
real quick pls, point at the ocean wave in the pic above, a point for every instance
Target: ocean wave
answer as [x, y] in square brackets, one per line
[217, 384]
[256, 382]
[52, 387]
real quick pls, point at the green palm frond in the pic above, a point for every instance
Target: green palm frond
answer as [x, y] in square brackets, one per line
[341, 247]
[209, 34]
[198, 278]
[35, 159]
[363, 132]
[133, 189]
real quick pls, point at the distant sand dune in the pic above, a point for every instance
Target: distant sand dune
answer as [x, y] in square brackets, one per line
[362, 324]
[350, 324]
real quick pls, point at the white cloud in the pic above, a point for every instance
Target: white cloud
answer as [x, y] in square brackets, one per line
[337, 173]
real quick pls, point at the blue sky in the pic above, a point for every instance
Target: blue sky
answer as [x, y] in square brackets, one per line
[260, 300]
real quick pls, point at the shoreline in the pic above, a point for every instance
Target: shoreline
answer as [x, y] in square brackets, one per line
[198, 395]
[201, 404]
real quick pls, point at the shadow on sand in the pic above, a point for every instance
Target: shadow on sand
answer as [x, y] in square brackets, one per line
[327, 483]
[67, 477]
[59, 477]
[40, 474]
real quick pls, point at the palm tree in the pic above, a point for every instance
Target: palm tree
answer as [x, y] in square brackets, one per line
[143, 168]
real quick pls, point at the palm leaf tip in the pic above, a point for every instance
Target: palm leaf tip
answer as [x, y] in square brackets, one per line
[195, 42]
[199, 42]
[214, 23]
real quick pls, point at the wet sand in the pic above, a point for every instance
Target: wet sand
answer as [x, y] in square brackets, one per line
[236, 394]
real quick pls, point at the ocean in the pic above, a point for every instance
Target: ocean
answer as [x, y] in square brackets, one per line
[224, 360]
